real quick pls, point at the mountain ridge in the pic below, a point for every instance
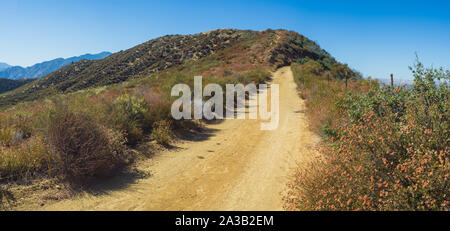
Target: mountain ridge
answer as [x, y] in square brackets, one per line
[41, 69]
[242, 50]
[4, 66]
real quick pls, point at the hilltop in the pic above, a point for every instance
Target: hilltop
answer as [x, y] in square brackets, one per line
[241, 50]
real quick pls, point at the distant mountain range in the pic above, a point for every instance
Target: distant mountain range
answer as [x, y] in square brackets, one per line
[3, 66]
[42, 69]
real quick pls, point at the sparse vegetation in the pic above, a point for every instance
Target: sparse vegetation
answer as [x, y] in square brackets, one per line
[76, 131]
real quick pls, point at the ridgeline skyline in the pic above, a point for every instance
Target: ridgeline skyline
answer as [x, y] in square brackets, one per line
[376, 39]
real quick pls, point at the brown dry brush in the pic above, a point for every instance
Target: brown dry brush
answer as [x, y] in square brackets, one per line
[82, 149]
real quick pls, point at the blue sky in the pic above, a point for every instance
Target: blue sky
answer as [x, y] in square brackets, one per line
[376, 38]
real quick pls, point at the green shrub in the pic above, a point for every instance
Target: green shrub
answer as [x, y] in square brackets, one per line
[258, 76]
[326, 97]
[240, 78]
[128, 114]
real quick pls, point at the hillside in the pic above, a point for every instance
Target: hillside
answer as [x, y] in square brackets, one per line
[10, 84]
[41, 69]
[114, 126]
[273, 48]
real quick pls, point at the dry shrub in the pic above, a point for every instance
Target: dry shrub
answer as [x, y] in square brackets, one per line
[84, 150]
[377, 165]
[159, 107]
[6, 197]
[161, 132]
[7, 136]
[24, 160]
[387, 151]
[14, 127]
[322, 93]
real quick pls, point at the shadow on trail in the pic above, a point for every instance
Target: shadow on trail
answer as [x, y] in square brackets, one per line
[200, 133]
[121, 181]
[185, 131]
[130, 176]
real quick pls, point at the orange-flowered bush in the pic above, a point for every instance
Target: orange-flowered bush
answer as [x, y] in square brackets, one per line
[388, 151]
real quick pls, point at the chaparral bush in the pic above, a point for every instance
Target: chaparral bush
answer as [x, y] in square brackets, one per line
[83, 149]
[388, 150]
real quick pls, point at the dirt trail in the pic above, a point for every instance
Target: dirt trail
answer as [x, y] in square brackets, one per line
[235, 166]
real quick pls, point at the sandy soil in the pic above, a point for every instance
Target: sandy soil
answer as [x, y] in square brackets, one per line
[233, 165]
